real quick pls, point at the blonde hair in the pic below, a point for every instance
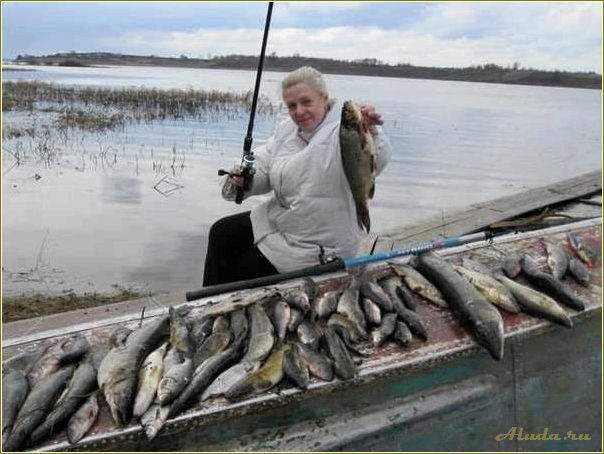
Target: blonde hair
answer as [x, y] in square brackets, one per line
[308, 75]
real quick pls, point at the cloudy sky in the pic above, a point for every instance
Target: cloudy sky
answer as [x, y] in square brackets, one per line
[543, 35]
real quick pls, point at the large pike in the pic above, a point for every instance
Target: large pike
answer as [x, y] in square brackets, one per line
[536, 303]
[118, 372]
[550, 285]
[482, 318]
[493, 290]
[358, 153]
[36, 407]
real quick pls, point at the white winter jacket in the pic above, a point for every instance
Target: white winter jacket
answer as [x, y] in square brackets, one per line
[311, 204]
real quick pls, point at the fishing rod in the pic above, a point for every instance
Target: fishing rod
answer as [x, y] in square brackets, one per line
[338, 265]
[246, 170]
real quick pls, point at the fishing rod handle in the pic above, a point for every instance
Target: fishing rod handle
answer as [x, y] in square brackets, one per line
[330, 267]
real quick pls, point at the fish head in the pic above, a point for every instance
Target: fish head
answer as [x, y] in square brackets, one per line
[352, 118]
[489, 333]
[119, 397]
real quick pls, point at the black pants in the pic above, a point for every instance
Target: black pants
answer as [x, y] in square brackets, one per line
[232, 255]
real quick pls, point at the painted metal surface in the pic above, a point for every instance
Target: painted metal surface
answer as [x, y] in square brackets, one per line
[446, 394]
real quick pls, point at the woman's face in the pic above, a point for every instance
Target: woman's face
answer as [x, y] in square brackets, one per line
[306, 106]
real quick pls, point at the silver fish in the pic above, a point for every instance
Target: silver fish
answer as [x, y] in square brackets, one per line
[295, 318]
[216, 342]
[557, 259]
[298, 299]
[149, 376]
[511, 265]
[579, 271]
[177, 373]
[384, 331]
[391, 286]
[227, 379]
[61, 353]
[375, 293]
[349, 306]
[478, 315]
[407, 297]
[239, 325]
[402, 334]
[342, 324]
[118, 372]
[326, 304]
[205, 374]
[262, 336]
[308, 333]
[372, 312]
[179, 333]
[419, 284]
[294, 368]
[154, 419]
[318, 364]
[359, 152]
[83, 419]
[536, 303]
[281, 316]
[343, 365]
[201, 330]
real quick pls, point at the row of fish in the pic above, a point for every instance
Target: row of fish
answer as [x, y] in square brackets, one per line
[173, 362]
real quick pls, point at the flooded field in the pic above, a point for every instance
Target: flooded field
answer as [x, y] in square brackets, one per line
[109, 175]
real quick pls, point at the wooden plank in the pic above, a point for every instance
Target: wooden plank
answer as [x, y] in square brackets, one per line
[480, 215]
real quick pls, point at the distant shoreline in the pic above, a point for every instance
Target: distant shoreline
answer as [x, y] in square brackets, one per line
[488, 73]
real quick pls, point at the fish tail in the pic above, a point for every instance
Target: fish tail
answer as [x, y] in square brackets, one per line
[363, 217]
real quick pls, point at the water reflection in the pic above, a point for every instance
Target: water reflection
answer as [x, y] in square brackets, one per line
[121, 189]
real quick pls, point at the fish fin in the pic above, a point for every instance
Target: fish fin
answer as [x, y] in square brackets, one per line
[371, 191]
[363, 218]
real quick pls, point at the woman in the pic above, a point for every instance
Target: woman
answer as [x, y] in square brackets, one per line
[311, 210]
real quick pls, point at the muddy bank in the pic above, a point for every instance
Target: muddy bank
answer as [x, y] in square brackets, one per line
[29, 306]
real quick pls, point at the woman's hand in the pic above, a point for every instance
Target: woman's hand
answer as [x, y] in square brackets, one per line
[371, 118]
[234, 177]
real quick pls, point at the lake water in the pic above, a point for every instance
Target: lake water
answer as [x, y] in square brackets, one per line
[133, 207]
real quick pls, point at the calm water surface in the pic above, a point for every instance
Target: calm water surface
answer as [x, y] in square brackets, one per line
[133, 207]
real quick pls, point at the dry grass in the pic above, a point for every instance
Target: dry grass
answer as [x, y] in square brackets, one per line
[133, 104]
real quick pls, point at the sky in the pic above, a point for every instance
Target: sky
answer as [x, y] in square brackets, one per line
[563, 36]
